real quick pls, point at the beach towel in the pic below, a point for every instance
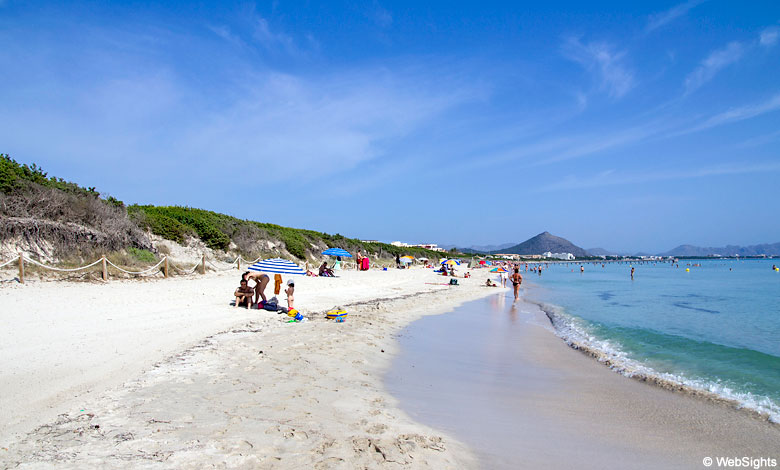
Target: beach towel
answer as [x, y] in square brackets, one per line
[277, 283]
[364, 261]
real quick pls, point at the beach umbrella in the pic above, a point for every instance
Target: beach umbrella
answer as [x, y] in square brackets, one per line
[422, 259]
[451, 262]
[410, 258]
[406, 260]
[498, 270]
[482, 261]
[337, 252]
[277, 266]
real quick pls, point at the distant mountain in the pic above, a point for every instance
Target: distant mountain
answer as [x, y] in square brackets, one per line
[601, 252]
[545, 242]
[772, 249]
[478, 248]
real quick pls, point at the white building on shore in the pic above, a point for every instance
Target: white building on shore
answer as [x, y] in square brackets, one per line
[561, 256]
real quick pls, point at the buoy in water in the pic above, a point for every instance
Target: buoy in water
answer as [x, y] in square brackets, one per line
[687, 270]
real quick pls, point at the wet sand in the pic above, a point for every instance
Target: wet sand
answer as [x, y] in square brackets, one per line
[494, 375]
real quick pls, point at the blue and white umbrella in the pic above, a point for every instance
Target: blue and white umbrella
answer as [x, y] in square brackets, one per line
[337, 252]
[277, 266]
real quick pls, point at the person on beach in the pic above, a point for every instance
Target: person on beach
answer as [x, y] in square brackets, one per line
[504, 277]
[337, 264]
[398, 261]
[517, 279]
[325, 271]
[244, 294]
[261, 280]
[290, 291]
[358, 259]
[490, 283]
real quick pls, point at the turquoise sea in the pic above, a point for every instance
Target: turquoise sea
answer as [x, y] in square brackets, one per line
[715, 327]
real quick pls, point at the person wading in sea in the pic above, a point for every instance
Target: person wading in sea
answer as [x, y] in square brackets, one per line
[517, 279]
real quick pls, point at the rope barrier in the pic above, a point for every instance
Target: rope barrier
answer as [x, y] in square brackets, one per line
[63, 270]
[8, 262]
[136, 272]
[220, 269]
[182, 270]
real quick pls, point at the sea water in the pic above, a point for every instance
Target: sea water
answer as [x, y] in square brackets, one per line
[712, 325]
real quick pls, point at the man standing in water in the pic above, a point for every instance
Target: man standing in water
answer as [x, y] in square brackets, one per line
[517, 279]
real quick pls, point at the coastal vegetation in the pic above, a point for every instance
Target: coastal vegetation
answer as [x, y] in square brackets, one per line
[63, 220]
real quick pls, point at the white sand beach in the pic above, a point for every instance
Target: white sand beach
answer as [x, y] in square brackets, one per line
[166, 374]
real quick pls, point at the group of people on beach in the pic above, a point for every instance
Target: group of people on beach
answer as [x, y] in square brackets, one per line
[244, 294]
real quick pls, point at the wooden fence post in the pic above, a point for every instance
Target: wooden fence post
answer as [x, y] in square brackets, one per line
[239, 263]
[105, 269]
[21, 268]
[203, 264]
[165, 267]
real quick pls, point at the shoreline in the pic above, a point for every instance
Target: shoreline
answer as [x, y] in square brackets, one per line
[578, 340]
[542, 403]
[267, 393]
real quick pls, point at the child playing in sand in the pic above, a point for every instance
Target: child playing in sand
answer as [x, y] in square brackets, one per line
[290, 291]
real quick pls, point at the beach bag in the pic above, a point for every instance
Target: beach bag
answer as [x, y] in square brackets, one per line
[271, 305]
[453, 282]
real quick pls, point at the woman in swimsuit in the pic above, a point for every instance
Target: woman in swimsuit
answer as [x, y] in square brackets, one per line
[517, 279]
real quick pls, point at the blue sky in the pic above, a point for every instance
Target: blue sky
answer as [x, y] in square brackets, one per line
[627, 125]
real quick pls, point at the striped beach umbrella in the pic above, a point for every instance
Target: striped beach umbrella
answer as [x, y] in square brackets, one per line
[277, 266]
[498, 270]
[451, 262]
[337, 252]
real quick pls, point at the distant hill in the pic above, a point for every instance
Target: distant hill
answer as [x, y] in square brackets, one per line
[542, 243]
[768, 249]
[479, 248]
[601, 252]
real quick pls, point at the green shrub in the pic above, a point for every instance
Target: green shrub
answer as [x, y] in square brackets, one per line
[295, 243]
[142, 255]
[14, 176]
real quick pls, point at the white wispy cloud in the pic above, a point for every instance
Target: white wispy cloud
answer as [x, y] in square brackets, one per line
[769, 36]
[612, 177]
[270, 39]
[227, 34]
[665, 17]
[715, 61]
[737, 114]
[292, 126]
[381, 16]
[602, 60]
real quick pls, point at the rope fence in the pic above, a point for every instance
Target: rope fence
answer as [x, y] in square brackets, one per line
[163, 266]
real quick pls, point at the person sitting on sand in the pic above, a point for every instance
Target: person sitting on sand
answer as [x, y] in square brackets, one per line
[261, 280]
[324, 271]
[337, 264]
[490, 283]
[244, 294]
[290, 291]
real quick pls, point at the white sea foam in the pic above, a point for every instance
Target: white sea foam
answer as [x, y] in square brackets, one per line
[576, 333]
